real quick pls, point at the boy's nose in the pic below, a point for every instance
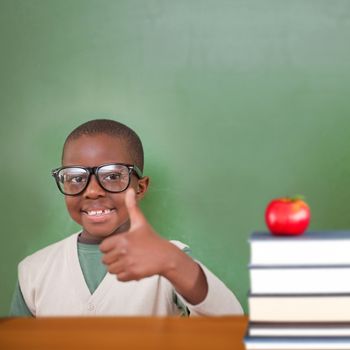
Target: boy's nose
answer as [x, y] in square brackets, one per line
[93, 189]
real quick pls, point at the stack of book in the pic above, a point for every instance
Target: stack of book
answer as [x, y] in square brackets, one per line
[299, 291]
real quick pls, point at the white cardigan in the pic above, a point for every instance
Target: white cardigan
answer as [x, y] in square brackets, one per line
[53, 284]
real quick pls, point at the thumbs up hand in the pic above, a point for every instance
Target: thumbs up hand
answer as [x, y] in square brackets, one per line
[139, 252]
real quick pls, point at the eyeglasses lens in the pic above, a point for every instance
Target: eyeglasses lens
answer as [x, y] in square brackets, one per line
[114, 177]
[72, 180]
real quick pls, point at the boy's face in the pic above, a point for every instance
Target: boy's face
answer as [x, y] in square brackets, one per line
[91, 151]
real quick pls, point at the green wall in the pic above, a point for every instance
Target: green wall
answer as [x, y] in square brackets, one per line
[236, 102]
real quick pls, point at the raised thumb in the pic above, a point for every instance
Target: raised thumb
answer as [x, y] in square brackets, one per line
[135, 214]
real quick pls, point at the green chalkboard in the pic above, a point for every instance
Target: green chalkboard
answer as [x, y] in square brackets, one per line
[236, 102]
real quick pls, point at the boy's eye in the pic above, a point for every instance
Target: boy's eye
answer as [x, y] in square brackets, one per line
[77, 179]
[113, 177]
[73, 179]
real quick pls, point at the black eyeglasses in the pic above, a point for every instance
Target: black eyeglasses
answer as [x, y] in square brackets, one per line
[73, 180]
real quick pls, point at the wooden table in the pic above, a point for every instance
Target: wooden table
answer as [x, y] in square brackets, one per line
[168, 333]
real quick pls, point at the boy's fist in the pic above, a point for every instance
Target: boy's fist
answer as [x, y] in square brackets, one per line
[139, 252]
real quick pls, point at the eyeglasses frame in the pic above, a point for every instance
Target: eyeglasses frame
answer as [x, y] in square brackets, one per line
[94, 171]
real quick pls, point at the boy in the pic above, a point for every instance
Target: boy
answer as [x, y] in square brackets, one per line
[140, 273]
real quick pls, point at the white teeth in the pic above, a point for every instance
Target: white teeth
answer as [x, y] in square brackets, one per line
[98, 212]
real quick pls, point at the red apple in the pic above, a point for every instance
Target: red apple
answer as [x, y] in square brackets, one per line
[287, 216]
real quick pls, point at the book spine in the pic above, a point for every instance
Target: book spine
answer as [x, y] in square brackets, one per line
[306, 308]
[299, 280]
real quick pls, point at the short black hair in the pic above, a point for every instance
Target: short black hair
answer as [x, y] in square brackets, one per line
[112, 128]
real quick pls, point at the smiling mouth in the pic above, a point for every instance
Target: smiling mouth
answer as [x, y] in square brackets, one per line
[97, 213]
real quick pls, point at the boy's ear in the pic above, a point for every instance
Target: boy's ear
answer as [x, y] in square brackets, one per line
[142, 187]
